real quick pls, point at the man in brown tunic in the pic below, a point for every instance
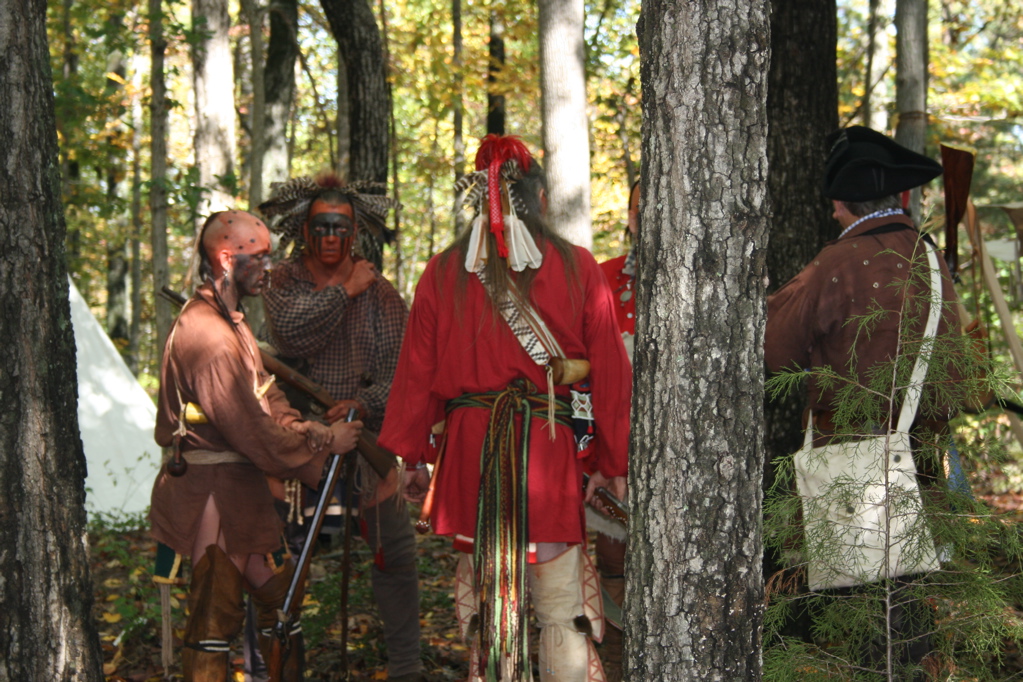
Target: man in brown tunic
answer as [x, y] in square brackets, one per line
[220, 511]
[813, 321]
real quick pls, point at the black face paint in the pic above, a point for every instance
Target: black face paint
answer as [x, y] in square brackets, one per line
[250, 271]
[324, 225]
[331, 224]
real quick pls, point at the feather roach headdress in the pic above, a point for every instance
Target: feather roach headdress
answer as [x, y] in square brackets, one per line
[500, 162]
[286, 209]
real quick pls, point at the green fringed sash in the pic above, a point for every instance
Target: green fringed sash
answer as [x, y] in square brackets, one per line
[500, 551]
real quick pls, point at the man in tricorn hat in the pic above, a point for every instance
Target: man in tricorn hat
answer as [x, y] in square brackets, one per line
[218, 408]
[877, 269]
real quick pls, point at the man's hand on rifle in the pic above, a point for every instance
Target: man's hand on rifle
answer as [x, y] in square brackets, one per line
[346, 436]
[417, 482]
[617, 486]
[317, 435]
[340, 410]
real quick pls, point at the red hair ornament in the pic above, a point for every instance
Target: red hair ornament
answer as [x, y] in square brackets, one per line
[513, 240]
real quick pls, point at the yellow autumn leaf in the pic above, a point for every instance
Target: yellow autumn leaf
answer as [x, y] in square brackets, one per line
[113, 582]
[112, 617]
[112, 597]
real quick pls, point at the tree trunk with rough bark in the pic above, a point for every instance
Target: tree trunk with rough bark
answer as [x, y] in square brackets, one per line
[45, 583]
[566, 127]
[213, 82]
[694, 597]
[801, 110]
[358, 37]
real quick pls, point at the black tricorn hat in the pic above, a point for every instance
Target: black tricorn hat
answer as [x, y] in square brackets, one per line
[864, 165]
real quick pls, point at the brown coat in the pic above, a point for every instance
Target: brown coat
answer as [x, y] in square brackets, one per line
[811, 320]
[217, 366]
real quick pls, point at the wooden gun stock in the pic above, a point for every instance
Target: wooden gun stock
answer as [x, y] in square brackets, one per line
[380, 459]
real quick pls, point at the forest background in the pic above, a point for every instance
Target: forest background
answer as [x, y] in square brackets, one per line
[103, 78]
[102, 68]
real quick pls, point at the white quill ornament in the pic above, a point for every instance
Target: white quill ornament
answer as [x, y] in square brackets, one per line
[476, 255]
[522, 250]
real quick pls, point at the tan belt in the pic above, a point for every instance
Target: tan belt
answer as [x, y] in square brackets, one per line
[209, 457]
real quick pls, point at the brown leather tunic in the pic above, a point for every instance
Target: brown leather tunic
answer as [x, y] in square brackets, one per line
[217, 366]
[812, 320]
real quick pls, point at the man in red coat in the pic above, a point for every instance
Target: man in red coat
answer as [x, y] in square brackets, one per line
[508, 485]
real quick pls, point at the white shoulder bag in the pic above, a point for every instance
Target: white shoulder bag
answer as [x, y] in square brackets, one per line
[862, 511]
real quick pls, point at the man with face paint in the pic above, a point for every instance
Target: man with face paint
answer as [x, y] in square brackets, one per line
[334, 310]
[220, 510]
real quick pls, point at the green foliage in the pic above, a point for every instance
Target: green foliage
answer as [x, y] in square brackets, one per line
[136, 609]
[965, 607]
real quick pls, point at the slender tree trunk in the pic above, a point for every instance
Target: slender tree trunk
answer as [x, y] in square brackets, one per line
[801, 109]
[254, 15]
[344, 120]
[911, 80]
[213, 79]
[495, 76]
[158, 165]
[868, 69]
[566, 127]
[281, 54]
[457, 107]
[355, 28]
[694, 594]
[118, 325]
[69, 167]
[46, 587]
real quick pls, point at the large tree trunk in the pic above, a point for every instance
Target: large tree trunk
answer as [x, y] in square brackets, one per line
[158, 171]
[45, 588]
[358, 37]
[911, 81]
[279, 77]
[213, 78]
[802, 108]
[566, 127]
[694, 597]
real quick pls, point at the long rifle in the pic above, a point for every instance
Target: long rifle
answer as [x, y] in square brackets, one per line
[281, 630]
[381, 460]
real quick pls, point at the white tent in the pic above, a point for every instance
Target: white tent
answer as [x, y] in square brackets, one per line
[116, 417]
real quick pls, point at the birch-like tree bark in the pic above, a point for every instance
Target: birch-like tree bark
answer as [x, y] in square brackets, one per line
[566, 129]
[911, 81]
[213, 82]
[694, 597]
[45, 585]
